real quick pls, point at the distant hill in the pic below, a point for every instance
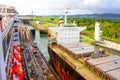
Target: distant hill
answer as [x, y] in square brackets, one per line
[100, 16]
[111, 16]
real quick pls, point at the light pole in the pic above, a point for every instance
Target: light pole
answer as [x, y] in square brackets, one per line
[66, 12]
[32, 15]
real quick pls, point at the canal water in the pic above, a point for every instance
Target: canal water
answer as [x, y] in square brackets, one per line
[41, 40]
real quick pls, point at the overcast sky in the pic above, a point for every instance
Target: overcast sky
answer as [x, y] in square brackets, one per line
[48, 7]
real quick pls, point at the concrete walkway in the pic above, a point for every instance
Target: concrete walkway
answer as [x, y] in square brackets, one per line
[109, 44]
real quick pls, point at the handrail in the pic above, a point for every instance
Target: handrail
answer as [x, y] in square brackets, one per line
[5, 32]
[4, 35]
[2, 68]
[2, 62]
[8, 50]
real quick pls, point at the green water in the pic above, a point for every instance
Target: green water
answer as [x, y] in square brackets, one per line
[41, 40]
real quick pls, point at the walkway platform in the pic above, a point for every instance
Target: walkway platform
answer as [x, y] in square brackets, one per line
[109, 44]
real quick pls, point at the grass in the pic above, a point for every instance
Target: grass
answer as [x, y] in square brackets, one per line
[87, 39]
[48, 24]
[89, 31]
[43, 35]
[46, 21]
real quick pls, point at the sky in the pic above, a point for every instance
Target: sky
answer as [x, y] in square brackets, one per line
[57, 7]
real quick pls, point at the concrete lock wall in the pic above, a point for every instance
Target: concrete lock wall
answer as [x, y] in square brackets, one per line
[112, 45]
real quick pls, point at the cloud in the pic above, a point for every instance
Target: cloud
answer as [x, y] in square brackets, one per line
[56, 6]
[99, 6]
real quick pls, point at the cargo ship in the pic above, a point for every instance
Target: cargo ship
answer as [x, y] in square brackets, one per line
[75, 60]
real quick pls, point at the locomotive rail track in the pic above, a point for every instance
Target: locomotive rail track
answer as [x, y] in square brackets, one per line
[35, 65]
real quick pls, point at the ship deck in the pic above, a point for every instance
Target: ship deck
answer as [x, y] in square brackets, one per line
[75, 63]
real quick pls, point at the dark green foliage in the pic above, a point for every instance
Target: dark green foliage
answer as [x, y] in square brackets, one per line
[110, 28]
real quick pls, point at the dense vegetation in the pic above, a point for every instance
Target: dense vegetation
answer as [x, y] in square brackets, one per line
[110, 28]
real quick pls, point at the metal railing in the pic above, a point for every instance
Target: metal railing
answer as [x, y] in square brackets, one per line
[4, 34]
[2, 62]
[6, 30]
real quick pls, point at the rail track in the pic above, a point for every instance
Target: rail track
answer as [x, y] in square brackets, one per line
[35, 65]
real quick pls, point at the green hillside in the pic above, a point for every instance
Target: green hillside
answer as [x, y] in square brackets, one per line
[110, 28]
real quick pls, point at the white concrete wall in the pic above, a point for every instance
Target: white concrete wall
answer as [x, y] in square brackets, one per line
[112, 45]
